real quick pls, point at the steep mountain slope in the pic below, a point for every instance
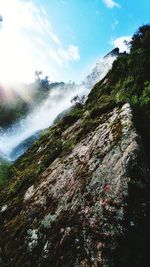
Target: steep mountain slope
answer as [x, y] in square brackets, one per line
[48, 101]
[80, 195]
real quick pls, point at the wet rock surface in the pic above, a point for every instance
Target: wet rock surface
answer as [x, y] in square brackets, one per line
[89, 207]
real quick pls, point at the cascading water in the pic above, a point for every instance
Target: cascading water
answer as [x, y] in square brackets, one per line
[15, 140]
[42, 117]
[103, 65]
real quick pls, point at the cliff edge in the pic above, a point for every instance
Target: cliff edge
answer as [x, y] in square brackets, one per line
[80, 196]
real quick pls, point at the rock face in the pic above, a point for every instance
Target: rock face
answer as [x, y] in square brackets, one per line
[87, 208]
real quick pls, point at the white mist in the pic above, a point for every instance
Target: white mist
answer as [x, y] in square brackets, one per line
[59, 99]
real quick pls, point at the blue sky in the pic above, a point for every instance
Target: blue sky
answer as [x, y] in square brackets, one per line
[63, 38]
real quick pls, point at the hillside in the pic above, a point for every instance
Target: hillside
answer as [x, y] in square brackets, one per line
[20, 127]
[80, 195]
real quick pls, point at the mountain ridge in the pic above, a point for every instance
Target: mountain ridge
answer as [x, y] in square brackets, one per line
[80, 194]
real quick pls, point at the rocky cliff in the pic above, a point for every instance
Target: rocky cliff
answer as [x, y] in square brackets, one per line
[80, 196]
[76, 211]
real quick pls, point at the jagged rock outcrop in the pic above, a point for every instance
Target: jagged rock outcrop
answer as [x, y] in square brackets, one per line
[88, 207]
[80, 196]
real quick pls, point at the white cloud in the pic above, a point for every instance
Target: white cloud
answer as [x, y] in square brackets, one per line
[120, 42]
[111, 3]
[29, 43]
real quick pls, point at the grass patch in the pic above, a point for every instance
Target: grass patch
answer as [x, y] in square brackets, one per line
[4, 170]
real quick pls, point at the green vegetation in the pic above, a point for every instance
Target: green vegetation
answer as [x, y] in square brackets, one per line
[10, 114]
[128, 81]
[88, 124]
[27, 169]
[4, 169]
[18, 108]
[129, 78]
[43, 152]
[70, 118]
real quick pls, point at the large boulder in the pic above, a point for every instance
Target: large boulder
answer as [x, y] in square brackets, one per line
[88, 207]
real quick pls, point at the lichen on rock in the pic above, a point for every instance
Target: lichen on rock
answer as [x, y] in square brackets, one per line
[73, 211]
